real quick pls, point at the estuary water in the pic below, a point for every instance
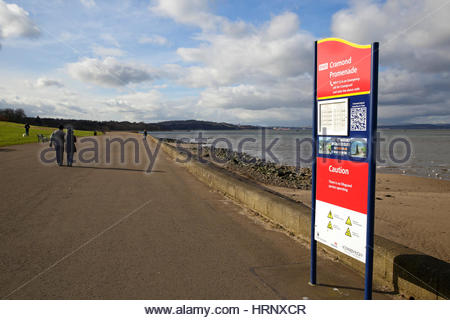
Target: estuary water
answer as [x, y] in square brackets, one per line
[423, 153]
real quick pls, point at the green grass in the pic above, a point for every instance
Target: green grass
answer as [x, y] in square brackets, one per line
[12, 133]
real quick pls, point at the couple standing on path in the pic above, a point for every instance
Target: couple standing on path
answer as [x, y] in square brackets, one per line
[58, 138]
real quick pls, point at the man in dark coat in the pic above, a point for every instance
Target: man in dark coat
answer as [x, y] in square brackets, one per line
[70, 146]
[57, 139]
[27, 129]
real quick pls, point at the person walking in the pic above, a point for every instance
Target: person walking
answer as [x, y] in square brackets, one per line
[70, 146]
[57, 139]
[145, 134]
[27, 129]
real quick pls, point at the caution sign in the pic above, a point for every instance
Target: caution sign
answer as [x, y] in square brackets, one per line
[348, 222]
[348, 233]
[330, 215]
[345, 232]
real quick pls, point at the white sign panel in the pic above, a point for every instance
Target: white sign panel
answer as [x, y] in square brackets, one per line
[332, 117]
[341, 229]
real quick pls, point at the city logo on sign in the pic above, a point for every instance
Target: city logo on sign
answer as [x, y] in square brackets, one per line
[323, 66]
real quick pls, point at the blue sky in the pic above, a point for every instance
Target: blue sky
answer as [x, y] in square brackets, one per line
[221, 60]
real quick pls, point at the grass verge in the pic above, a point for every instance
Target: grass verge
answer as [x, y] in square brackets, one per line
[13, 133]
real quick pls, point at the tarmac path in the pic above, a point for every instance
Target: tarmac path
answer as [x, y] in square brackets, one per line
[97, 231]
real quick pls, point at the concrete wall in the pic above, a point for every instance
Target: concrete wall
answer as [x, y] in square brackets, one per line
[399, 268]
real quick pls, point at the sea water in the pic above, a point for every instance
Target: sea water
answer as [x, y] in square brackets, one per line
[421, 152]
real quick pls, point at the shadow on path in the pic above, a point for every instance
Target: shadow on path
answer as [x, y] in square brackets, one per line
[120, 169]
[291, 281]
[354, 288]
[424, 271]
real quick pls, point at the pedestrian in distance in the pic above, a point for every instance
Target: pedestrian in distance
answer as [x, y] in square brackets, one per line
[145, 134]
[57, 139]
[71, 139]
[27, 129]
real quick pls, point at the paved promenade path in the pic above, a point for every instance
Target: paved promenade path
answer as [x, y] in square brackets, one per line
[113, 232]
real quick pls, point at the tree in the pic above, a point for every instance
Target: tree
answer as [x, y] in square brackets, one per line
[19, 115]
[12, 115]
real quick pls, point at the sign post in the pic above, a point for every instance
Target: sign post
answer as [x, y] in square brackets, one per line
[344, 132]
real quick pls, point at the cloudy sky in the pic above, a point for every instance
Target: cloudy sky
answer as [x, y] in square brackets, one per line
[237, 61]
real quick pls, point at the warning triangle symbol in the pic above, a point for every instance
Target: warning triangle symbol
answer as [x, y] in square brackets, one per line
[330, 216]
[329, 225]
[348, 233]
[349, 222]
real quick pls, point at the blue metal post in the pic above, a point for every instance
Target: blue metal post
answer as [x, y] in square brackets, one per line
[312, 280]
[372, 171]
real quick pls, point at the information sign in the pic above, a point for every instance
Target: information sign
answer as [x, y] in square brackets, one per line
[344, 127]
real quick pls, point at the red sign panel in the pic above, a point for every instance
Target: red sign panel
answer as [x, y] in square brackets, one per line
[343, 68]
[343, 183]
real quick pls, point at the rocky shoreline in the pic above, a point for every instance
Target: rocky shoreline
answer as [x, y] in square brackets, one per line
[253, 168]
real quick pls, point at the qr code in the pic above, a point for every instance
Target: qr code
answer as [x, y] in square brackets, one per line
[358, 119]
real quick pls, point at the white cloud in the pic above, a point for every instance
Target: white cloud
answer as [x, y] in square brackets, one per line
[276, 50]
[411, 88]
[41, 98]
[247, 71]
[410, 96]
[152, 106]
[15, 22]
[88, 3]
[139, 102]
[191, 12]
[414, 35]
[45, 82]
[414, 53]
[107, 52]
[153, 39]
[110, 72]
[291, 93]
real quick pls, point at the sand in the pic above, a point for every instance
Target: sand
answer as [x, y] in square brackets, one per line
[412, 211]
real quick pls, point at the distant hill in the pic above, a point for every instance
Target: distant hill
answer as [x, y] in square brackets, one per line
[19, 116]
[199, 125]
[415, 126]
[138, 126]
